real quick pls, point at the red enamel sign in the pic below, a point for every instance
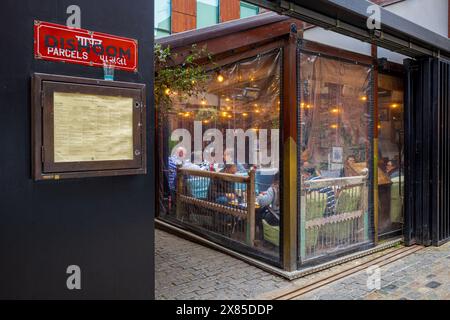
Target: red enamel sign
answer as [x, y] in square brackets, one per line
[60, 43]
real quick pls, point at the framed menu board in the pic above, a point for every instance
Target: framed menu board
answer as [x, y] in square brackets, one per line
[87, 127]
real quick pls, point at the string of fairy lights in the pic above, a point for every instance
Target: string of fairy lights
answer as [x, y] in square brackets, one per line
[337, 110]
[209, 113]
[255, 112]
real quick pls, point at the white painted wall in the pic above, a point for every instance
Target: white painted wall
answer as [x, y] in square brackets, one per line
[337, 40]
[431, 14]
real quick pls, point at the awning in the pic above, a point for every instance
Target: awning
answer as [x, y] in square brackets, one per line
[349, 17]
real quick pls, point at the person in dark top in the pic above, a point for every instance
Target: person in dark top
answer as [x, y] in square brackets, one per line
[271, 198]
[270, 207]
[348, 163]
[392, 169]
[223, 191]
[311, 174]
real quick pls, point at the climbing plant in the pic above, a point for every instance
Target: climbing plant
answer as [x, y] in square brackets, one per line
[179, 80]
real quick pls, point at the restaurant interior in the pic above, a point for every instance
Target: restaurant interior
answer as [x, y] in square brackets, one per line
[349, 116]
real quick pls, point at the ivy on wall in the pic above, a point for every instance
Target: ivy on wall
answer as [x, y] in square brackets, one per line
[179, 81]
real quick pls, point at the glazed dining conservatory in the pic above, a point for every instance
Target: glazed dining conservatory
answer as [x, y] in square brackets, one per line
[293, 155]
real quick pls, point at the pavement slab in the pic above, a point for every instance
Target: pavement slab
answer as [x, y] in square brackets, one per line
[189, 271]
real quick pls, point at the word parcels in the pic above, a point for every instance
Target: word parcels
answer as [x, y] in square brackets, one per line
[60, 43]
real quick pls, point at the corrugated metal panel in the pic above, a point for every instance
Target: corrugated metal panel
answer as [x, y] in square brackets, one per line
[427, 123]
[442, 220]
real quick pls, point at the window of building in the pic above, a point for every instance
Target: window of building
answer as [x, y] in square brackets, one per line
[163, 19]
[225, 143]
[207, 13]
[248, 10]
[335, 155]
[390, 154]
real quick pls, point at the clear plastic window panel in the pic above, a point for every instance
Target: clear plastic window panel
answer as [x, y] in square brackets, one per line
[220, 156]
[390, 155]
[335, 154]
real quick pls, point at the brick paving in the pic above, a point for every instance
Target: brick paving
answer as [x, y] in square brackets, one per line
[424, 275]
[189, 271]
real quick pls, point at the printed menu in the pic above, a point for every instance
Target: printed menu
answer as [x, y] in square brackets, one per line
[91, 127]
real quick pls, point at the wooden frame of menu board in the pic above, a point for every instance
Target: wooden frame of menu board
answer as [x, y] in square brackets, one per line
[87, 127]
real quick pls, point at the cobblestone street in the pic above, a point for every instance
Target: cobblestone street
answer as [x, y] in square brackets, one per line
[189, 271]
[424, 275]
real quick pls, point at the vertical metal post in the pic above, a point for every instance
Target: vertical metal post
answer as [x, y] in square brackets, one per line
[376, 124]
[427, 140]
[251, 209]
[179, 192]
[436, 146]
[289, 152]
[409, 115]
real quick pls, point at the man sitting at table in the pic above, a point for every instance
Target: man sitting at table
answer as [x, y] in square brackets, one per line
[223, 191]
[176, 159]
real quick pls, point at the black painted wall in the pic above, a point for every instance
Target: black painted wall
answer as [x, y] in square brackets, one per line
[103, 225]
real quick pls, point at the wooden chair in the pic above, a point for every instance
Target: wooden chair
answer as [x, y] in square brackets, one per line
[326, 225]
[191, 196]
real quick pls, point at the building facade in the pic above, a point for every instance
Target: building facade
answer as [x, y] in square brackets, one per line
[333, 110]
[174, 16]
[99, 225]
